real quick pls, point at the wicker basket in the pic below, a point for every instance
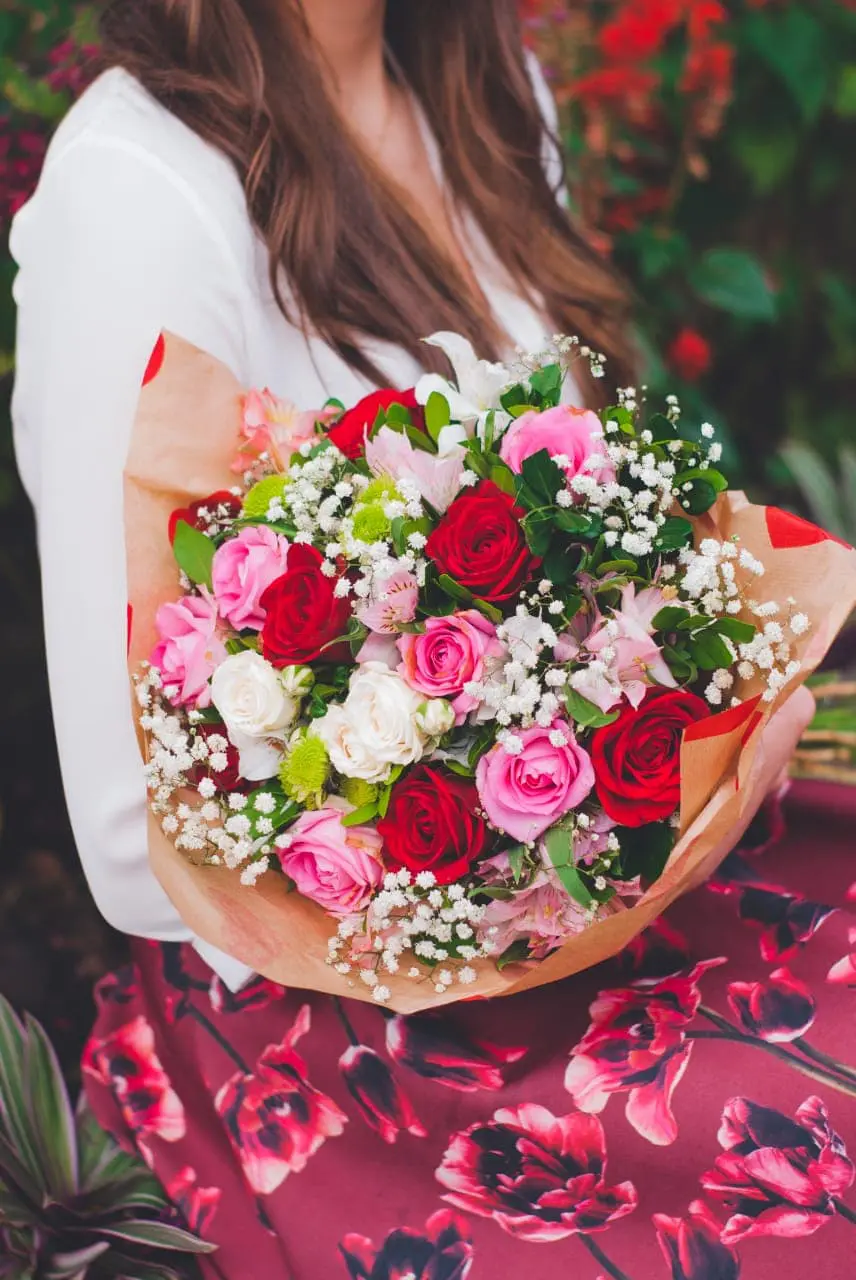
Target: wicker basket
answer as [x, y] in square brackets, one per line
[828, 748]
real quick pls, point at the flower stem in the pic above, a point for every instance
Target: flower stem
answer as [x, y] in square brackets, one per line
[199, 1016]
[600, 1257]
[824, 1059]
[727, 1031]
[346, 1021]
[846, 1212]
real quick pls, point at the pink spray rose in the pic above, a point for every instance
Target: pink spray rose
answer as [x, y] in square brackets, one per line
[526, 792]
[337, 867]
[451, 652]
[627, 662]
[392, 603]
[243, 568]
[572, 435]
[189, 650]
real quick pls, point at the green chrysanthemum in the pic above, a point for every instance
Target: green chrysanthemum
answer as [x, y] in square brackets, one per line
[379, 490]
[358, 793]
[371, 524]
[258, 500]
[304, 771]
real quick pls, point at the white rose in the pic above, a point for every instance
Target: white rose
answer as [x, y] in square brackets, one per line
[435, 717]
[376, 728]
[257, 711]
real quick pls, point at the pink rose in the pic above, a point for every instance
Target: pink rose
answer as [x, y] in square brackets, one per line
[243, 568]
[451, 652]
[526, 792]
[573, 435]
[337, 867]
[189, 650]
[392, 603]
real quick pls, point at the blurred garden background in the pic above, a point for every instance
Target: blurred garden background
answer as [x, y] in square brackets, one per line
[711, 153]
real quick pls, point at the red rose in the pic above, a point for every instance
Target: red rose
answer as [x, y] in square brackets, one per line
[228, 779]
[481, 544]
[303, 613]
[690, 355]
[637, 758]
[349, 433]
[432, 825]
[190, 515]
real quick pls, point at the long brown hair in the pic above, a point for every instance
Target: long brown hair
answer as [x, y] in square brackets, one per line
[345, 254]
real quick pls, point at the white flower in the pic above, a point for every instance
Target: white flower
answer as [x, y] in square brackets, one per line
[479, 386]
[435, 717]
[257, 711]
[376, 728]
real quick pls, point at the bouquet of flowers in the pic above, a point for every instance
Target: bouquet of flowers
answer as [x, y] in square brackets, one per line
[466, 672]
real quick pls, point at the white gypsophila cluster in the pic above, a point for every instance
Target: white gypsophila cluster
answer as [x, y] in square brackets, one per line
[412, 921]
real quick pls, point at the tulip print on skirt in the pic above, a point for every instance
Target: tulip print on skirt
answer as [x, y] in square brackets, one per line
[686, 1111]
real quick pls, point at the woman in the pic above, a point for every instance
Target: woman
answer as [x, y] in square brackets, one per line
[304, 190]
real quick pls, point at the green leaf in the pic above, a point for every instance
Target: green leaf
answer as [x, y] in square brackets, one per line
[454, 589]
[15, 1119]
[462, 770]
[617, 566]
[543, 477]
[699, 498]
[489, 610]
[709, 651]
[503, 478]
[735, 629]
[572, 521]
[645, 850]
[156, 1235]
[515, 861]
[194, 553]
[585, 713]
[437, 414]
[383, 801]
[360, 817]
[845, 92]
[538, 527]
[680, 664]
[53, 1120]
[734, 281]
[71, 1266]
[675, 534]
[16, 1173]
[794, 44]
[548, 383]
[559, 844]
[670, 618]
[517, 953]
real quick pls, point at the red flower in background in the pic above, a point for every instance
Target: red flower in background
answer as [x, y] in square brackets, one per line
[689, 355]
[778, 1010]
[443, 1252]
[538, 1176]
[274, 1117]
[639, 30]
[196, 1204]
[383, 1105]
[692, 1247]
[777, 1176]
[636, 1044]
[438, 1050]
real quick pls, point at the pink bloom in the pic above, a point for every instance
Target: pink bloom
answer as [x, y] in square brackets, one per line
[379, 647]
[439, 1050]
[275, 427]
[636, 1043]
[443, 1251]
[381, 1101]
[538, 1176]
[570, 642]
[779, 1009]
[275, 1118]
[338, 867]
[692, 1247]
[243, 568]
[438, 479]
[844, 970]
[189, 650]
[393, 604]
[777, 1176]
[573, 435]
[526, 793]
[627, 661]
[127, 1063]
[451, 652]
[197, 1205]
[542, 913]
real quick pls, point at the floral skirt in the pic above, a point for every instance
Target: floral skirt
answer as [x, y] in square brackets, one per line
[683, 1111]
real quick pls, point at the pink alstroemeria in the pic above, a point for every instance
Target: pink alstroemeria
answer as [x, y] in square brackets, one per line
[391, 605]
[438, 479]
[627, 662]
[277, 427]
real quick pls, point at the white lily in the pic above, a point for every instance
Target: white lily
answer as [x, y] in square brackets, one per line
[480, 383]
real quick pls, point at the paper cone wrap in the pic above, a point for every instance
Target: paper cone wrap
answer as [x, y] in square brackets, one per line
[184, 439]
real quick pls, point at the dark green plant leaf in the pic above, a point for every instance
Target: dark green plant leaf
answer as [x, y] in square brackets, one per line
[68, 1266]
[586, 714]
[645, 850]
[515, 954]
[516, 856]
[709, 651]
[53, 1119]
[670, 618]
[794, 44]
[699, 498]
[735, 629]
[734, 281]
[15, 1120]
[194, 553]
[548, 383]
[454, 589]
[156, 1235]
[542, 477]
[559, 846]
[675, 533]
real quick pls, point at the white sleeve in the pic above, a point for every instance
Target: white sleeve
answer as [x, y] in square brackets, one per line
[112, 249]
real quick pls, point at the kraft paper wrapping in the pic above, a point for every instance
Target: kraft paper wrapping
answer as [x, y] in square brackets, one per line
[183, 442]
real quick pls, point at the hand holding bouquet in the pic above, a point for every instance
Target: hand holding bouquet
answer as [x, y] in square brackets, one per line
[466, 672]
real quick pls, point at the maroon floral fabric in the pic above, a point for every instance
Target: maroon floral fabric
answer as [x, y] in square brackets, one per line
[686, 1111]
